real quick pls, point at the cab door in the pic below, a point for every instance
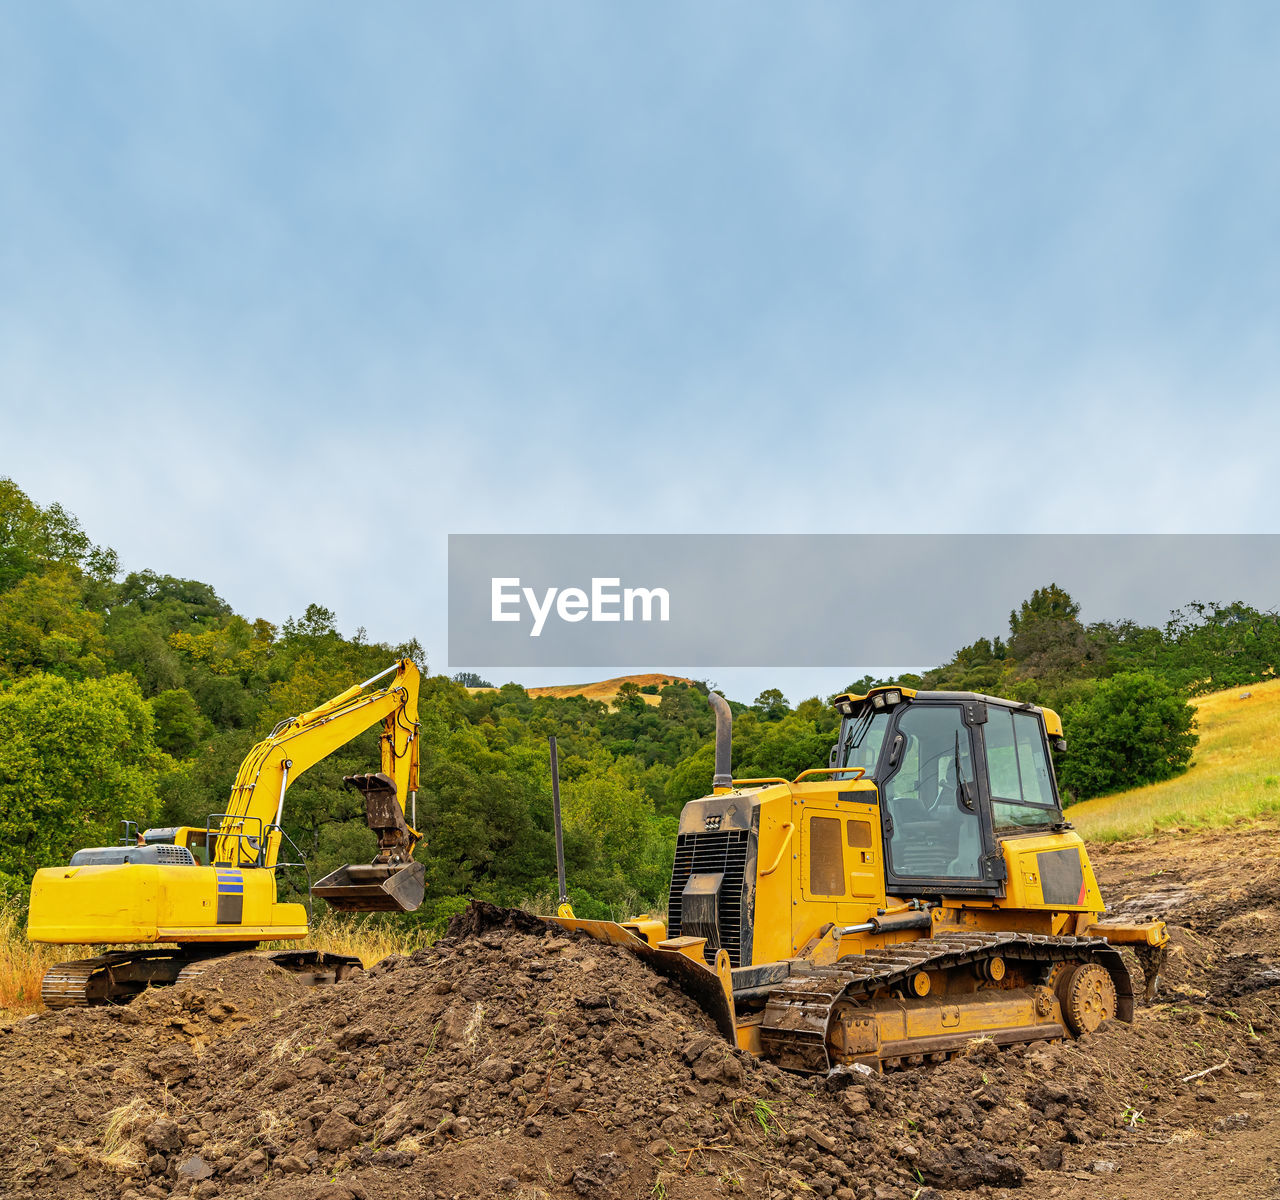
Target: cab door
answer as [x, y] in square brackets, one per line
[936, 840]
[840, 859]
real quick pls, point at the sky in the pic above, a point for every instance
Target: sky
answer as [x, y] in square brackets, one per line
[289, 293]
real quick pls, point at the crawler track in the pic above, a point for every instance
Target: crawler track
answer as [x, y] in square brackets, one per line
[797, 1028]
[118, 976]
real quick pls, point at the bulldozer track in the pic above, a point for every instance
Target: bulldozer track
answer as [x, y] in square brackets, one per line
[798, 1013]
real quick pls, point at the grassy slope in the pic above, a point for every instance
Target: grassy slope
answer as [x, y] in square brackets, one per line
[1235, 774]
[604, 690]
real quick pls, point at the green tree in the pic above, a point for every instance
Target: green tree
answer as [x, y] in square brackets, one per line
[75, 759]
[32, 538]
[1134, 729]
[45, 626]
[1047, 640]
[629, 699]
[771, 704]
[178, 723]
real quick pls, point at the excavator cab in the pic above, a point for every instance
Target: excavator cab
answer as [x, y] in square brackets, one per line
[393, 882]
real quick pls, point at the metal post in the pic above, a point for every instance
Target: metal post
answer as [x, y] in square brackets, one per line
[555, 816]
[413, 809]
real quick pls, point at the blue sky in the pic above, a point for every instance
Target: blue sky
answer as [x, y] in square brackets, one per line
[288, 293]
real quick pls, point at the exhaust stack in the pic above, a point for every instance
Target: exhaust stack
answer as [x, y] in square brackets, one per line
[722, 780]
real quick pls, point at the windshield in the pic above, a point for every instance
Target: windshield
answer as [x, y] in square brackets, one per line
[860, 739]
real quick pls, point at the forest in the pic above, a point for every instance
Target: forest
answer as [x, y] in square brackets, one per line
[134, 695]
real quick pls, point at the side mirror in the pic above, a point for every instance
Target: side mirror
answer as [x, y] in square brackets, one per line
[831, 758]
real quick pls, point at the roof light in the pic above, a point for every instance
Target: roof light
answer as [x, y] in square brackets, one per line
[878, 700]
[894, 697]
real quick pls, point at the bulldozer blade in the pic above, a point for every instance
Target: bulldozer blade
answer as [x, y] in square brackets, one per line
[375, 888]
[708, 989]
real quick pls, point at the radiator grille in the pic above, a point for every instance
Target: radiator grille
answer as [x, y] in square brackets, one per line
[706, 853]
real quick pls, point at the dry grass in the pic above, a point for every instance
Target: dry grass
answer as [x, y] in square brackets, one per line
[370, 939]
[122, 1136]
[1235, 775]
[605, 689]
[22, 963]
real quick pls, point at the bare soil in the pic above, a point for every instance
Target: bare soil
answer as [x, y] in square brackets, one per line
[509, 1060]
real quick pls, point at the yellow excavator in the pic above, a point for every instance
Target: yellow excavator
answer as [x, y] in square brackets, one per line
[190, 893]
[920, 891]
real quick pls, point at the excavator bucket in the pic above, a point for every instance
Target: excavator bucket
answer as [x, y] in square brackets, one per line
[374, 888]
[392, 882]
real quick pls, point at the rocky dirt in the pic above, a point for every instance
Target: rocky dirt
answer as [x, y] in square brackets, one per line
[514, 1061]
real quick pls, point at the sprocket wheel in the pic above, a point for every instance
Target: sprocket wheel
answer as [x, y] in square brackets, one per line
[1088, 997]
[1054, 976]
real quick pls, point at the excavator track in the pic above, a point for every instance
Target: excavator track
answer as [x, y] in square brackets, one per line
[118, 976]
[920, 1001]
[110, 978]
[68, 984]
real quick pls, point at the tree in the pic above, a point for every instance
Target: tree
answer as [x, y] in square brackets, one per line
[178, 723]
[471, 679]
[628, 699]
[771, 704]
[1134, 729]
[75, 759]
[45, 626]
[317, 621]
[1047, 640]
[32, 538]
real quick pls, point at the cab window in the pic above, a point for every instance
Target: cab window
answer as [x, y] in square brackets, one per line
[863, 738]
[1018, 765]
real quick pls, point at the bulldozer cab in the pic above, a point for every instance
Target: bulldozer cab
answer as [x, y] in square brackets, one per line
[956, 773]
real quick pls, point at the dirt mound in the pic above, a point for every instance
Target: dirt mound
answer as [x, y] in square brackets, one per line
[512, 1059]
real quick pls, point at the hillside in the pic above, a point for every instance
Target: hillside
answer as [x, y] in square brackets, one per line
[1235, 774]
[605, 689]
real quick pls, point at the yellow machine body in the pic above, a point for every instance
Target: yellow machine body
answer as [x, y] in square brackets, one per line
[146, 902]
[796, 896]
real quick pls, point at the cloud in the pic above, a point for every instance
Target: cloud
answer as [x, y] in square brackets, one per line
[291, 294]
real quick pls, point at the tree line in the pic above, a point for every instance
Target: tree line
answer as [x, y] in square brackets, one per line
[135, 696]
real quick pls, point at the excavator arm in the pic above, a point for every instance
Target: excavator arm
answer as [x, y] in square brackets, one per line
[249, 831]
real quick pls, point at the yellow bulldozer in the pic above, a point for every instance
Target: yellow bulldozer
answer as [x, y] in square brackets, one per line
[920, 891]
[191, 893]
